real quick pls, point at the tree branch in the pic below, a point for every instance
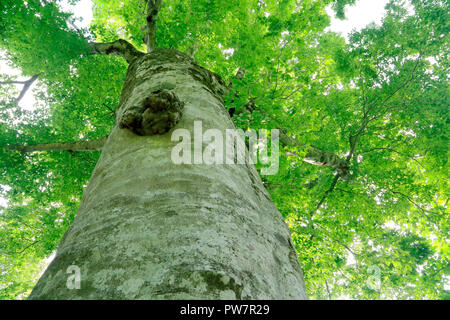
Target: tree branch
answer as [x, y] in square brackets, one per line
[395, 151]
[390, 96]
[87, 145]
[25, 248]
[119, 47]
[313, 156]
[13, 82]
[328, 290]
[316, 156]
[333, 185]
[416, 205]
[153, 7]
[26, 85]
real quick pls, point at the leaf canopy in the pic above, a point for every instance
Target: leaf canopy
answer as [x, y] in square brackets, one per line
[379, 99]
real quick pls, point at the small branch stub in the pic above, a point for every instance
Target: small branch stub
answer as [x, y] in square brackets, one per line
[159, 112]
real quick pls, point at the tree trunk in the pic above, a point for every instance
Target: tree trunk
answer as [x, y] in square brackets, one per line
[151, 229]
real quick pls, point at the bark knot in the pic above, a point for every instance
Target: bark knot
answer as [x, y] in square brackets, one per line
[158, 113]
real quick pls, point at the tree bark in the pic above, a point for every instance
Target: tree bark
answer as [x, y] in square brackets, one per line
[150, 229]
[119, 47]
[152, 10]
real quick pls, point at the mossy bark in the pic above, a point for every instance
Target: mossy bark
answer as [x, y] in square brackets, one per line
[150, 229]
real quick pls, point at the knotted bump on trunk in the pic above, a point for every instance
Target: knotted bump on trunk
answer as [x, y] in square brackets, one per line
[159, 113]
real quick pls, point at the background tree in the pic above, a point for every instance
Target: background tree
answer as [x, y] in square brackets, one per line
[363, 179]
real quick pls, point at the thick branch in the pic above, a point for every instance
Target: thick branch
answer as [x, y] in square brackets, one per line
[88, 145]
[119, 47]
[316, 156]
[26, 85]
[13, 82]
[153, 7]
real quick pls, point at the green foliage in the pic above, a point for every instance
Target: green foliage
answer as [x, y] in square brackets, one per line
[386, 89]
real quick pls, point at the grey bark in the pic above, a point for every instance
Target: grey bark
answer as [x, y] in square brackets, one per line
[119, 47]
[150, 229]
[152, 10]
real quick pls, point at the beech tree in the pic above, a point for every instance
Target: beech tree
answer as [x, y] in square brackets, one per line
[359, 202]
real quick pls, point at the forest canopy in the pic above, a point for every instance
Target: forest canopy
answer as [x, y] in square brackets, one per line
[373, 226]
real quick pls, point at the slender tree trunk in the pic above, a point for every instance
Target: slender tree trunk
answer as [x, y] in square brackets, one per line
[150, 229]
